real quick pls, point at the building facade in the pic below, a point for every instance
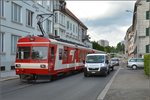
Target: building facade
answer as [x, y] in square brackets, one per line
[140, 31]
[103, 43]
[129, 43]
[19, 18]
[68, 27]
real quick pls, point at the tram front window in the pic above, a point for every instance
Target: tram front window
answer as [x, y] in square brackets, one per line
[23, 53]
[39, 53]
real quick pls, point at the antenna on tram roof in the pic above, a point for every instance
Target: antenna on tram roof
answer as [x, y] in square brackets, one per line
[40, 18]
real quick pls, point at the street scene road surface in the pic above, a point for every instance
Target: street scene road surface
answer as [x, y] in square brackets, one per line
[74, 87]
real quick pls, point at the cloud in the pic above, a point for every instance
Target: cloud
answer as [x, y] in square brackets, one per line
[113, 36]
[90, 9]
[104, 19]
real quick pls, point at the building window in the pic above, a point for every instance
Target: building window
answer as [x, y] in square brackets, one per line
[73, 28]
[56, 33]
[14, 40]
[147, 31]
[48, 26]
[61, 19]
[56, 18]
[76, 29]
[147, 14]
[16, 12]
[64, 20]
[2, 8]
[67, 24]
[1, 42]
[70, 26]
[147, 48]
[29, 18]
[2, 68]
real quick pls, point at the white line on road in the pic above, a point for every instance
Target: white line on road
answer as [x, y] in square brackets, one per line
[105, 90]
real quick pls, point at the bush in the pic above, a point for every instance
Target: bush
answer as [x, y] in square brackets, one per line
[147, 64]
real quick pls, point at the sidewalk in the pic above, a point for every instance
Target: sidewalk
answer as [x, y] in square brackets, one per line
[7, 75]
[129, 85]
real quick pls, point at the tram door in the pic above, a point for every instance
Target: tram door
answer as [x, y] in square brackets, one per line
[52, 56]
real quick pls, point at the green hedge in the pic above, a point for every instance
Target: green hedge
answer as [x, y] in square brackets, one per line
[147, 64]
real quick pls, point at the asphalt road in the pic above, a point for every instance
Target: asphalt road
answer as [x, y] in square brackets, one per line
[73, 87]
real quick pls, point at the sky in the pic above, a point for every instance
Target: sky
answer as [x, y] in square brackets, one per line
[106, 20]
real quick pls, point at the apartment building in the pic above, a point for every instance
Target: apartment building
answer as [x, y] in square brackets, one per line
[140, 33]
[68, 27]
[103, 43]
[19, 18]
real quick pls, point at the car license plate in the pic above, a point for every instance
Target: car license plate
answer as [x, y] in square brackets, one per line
[93, 72]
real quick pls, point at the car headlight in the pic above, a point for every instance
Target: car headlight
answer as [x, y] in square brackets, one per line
[102, 65]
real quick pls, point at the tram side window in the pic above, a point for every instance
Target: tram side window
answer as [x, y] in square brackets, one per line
[60, 54]
[52, 52]
[65, 56]
[23, 53]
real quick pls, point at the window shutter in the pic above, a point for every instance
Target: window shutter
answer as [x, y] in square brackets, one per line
[147, 49]
[147, 14]
[147, 31]
[147, 0]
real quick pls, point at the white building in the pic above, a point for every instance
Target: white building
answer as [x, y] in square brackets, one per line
[103, 43]
[18, 18]
[141, 27]
[68, 27]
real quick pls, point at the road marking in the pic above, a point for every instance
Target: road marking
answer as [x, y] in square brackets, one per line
[105, 90]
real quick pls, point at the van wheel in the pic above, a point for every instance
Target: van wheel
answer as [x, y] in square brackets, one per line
[112, 68]
[134, 67]
[106, 73]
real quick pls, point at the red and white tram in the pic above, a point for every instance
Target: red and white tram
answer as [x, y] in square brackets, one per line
[40, 56]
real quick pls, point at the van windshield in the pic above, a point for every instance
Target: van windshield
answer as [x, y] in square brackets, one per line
[95, 59]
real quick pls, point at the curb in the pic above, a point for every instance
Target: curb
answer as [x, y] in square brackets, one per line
[9, 78]
[102, 95]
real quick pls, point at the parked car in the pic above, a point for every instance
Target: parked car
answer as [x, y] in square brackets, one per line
[114, 62]
[135, 63]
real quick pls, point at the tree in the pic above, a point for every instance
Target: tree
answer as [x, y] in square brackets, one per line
[97, 46]
[120, 47]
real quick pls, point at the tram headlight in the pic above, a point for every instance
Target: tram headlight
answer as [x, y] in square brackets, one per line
[43, 66]
[18, 65]
[86, 65]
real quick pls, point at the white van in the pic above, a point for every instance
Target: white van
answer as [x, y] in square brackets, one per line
[96, 64]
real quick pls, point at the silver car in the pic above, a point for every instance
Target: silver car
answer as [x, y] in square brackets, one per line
[135, 63]
[114, 62]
